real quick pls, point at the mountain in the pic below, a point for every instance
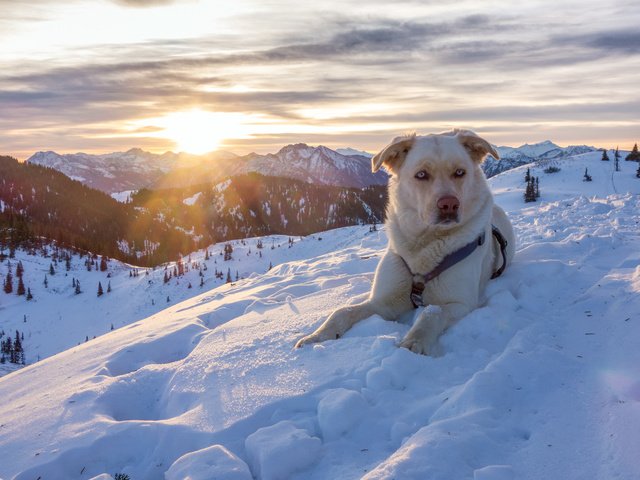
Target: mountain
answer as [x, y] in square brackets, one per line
[540, 382]
[512, 157]
[120, 171]
[251, 204]
[135, 169]
[38, 203]
[155, 226]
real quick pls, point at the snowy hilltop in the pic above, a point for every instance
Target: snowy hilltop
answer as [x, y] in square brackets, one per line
[541, 381]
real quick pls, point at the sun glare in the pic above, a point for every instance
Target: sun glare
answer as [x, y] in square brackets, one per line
[199, 131]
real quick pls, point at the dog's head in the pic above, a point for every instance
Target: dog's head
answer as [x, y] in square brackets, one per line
[438, 176]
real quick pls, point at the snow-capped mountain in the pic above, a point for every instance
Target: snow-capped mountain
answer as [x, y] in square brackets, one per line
[512, 157]
[121, 171]
[541, 381]
[318, 165]
[346, 167]
[135, 169]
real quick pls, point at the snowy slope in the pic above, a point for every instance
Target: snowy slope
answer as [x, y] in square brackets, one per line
[540, 382]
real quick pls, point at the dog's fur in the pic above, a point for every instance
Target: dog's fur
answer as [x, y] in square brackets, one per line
[422, 233]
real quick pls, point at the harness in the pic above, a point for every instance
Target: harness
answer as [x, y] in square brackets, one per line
[420, 280]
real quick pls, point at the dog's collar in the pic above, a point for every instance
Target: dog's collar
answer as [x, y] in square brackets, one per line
[420, 279]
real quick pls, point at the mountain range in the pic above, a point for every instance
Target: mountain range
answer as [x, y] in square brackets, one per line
[135, 168]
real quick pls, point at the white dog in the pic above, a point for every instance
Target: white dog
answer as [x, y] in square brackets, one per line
[447, 239]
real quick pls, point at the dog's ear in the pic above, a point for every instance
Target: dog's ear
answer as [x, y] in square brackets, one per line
[477, 148]
[393, 154]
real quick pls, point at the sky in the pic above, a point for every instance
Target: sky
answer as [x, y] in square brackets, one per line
[250, 75]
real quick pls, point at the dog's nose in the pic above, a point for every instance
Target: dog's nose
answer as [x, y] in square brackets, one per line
[448, 204]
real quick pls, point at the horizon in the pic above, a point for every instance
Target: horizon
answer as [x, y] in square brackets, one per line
[161, 152]
[186, 75]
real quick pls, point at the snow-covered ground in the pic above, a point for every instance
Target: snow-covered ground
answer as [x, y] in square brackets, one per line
[542, 381]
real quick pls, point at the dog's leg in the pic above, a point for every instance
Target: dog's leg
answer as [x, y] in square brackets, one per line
[389, 298]
[338, 323]
[431, 323]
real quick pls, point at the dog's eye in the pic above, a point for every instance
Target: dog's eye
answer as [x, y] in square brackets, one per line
[459, 173]
[422, 175]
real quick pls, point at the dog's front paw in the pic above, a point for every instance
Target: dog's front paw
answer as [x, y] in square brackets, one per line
[418, 344]
[315, 337]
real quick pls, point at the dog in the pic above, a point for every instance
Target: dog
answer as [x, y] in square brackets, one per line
[447, 238]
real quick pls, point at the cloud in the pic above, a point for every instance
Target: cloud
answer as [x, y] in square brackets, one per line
[144, 3]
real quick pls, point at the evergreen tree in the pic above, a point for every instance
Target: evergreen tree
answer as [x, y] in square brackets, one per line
[537, 190]
[228, 250]
[19, 269]
[78, 291]
[103, 264]
[634, 155]
[109, 287]
[530, 192]
[67, 263]
[166, 277]
[100, 292]
[617, 164]
[21, 290]
[229, 276]
[8, 283]
[605, 157]
[51, 269]
[527, 176]
[46, 282]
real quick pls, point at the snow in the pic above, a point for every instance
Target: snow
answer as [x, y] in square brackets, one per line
[541, 381]
[124, 196]
[277, 451]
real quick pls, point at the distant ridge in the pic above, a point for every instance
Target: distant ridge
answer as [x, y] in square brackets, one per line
[346, 167]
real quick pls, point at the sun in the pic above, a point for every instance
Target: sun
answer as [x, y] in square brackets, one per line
[199, 131]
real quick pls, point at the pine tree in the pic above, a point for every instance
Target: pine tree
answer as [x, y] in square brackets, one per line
[103, 264]
[537, 189]
[21, 290]
[530, 192]
[19, 269]
[527, 176]
[51, 269]
[229, 276]
[605, 157]
[67, 263]
[8, 283]
[109, 287]
[46, 282]
[78, 291]
[634, 156]
[166, 277]
[100, 292]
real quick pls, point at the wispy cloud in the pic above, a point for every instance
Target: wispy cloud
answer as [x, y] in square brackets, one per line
[430, 64]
